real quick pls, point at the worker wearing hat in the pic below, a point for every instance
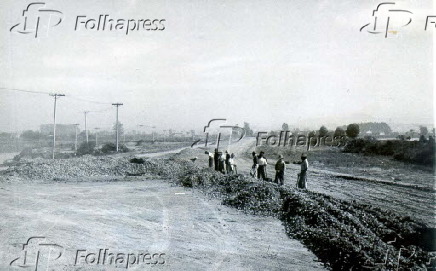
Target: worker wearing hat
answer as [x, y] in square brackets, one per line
[280, 171]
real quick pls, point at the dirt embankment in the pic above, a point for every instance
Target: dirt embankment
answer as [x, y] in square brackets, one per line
[105, 209]
[344, 234]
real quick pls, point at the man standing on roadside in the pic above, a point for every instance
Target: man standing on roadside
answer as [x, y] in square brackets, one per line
[302, 176]
[233, 164]
[211, 158]
[228, 166]
[253, 171]
[280, 171]
[262, 162]
[216, 158]
[222, 162]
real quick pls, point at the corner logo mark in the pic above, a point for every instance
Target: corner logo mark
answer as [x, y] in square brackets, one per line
[35, 18]
[37, 252]
[382, 19]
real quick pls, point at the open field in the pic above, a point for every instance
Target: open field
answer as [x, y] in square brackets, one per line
[89, 202]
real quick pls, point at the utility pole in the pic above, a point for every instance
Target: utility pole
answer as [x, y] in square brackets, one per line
[96, 137]
[230, 139]
[117, 135]
[75, 142]
[56, 95]
[86, 130]
[141, 129]
[218, 141]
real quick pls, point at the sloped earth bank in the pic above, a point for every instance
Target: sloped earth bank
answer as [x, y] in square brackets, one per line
[343, 234]
[90, 204]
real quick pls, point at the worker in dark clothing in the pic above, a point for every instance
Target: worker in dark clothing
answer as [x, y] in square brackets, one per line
[253, 171]
[222, 162]
[216, 158]
[228, 165]
[280, 171]
[302, 176]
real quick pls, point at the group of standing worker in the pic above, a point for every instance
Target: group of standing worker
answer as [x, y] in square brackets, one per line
[222, 162]
[259, 169]
[225, 163]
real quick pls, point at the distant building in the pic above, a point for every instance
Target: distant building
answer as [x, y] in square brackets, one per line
[61, 129]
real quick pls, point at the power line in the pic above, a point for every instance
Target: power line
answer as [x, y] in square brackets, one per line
[67, 96]
[85, 100]
[28, 91]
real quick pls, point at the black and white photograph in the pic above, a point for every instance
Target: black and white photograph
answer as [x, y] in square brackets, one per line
[217, 135]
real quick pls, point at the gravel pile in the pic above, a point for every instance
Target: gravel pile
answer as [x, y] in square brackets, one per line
[95, 166]
[351, 236]
[242, 192]
[85, 166]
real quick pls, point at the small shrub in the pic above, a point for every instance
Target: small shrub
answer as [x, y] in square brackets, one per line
[86, 148]
[108, 147]
[111, 147]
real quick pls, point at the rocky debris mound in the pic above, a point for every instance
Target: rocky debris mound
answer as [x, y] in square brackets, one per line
[85, 166]
[351, 236]
[95, 166]
[344, 235]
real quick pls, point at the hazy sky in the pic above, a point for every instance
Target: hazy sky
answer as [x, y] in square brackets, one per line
[265, 62]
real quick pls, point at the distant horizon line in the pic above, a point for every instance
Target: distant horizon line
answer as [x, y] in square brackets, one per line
[256, 127]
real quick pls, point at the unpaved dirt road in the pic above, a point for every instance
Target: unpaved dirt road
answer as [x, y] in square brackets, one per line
[136, 215]
[400, 197]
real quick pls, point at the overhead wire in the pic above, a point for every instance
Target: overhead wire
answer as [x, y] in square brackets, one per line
[66, 96]
[48, 93]
[28, 91]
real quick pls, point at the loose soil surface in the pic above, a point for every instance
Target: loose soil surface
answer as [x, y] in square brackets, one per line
[355, 209]
[131, 215]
